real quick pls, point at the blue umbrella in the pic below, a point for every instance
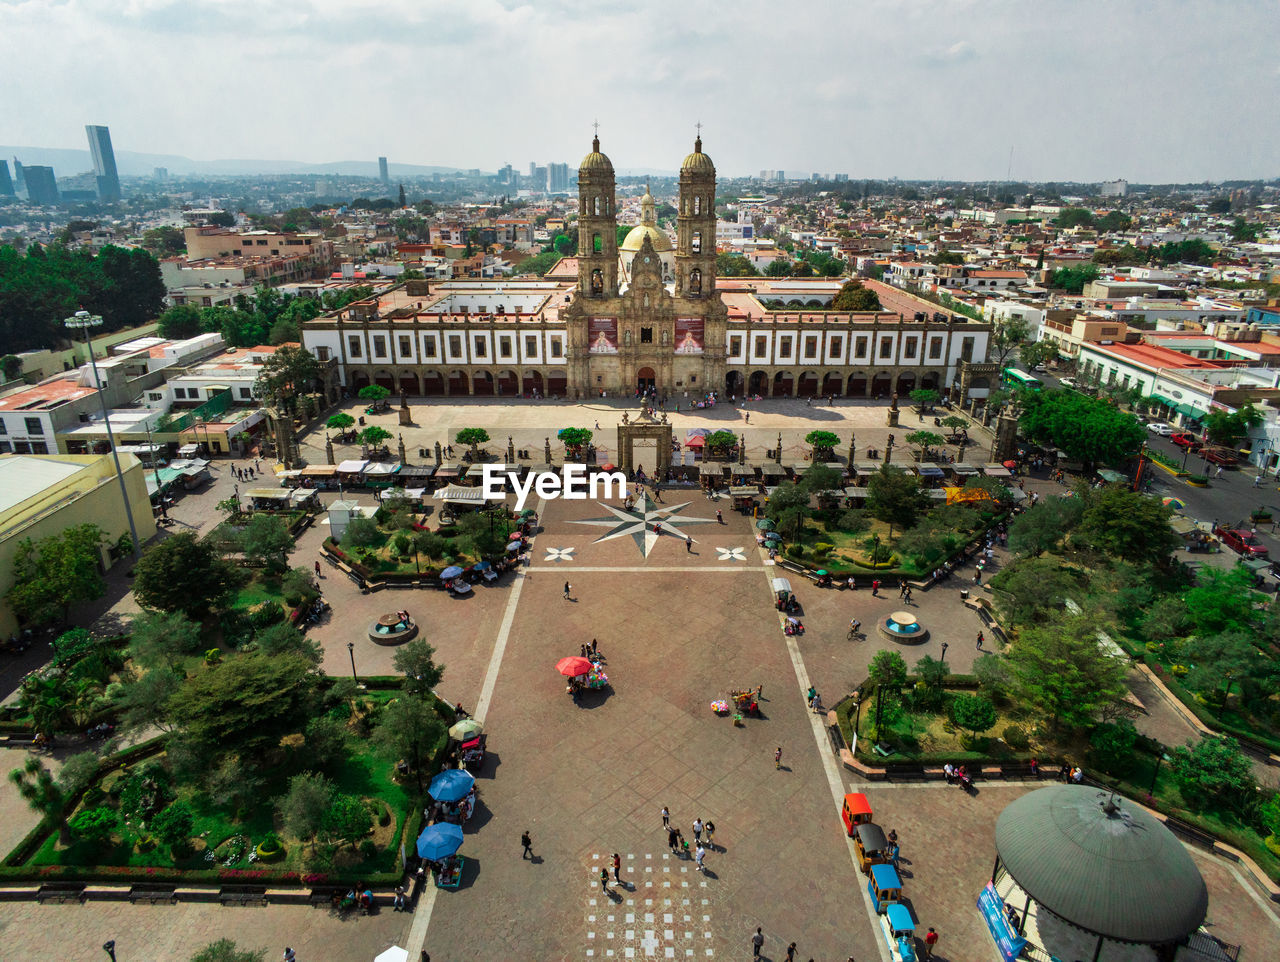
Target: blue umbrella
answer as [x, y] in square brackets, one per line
[482, 566]
[451, 785]
[439, 840]
[450, 572]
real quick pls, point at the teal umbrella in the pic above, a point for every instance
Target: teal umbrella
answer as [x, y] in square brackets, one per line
[764, 524]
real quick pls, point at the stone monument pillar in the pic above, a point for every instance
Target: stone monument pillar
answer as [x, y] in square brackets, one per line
[1004, 446]
[406, 418]
[546, 449]
[511, 451]
[439, 459]
[328, 449]
[892, 418]
[777, 454]
[403, 459]
[742, 448]
[852, 448]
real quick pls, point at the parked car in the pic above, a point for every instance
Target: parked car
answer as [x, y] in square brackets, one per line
[1241, 542]
[1186, 440]
[1223, 456]
[1160, 428]
[1067, 382]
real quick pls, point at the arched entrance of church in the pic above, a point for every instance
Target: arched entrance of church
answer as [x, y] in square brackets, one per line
[646, 380]
[930, 381]
[759, 384]
[532, 383]
[782, 384]
[432, 383]
[508, 383]
[857, 385]
[733, 384]
[482, 383]
[409, 383]
[385, 379]
[832, 384]
[906, 384]
[881, 385]
[457, 383]
[808, 384]
[557, 385]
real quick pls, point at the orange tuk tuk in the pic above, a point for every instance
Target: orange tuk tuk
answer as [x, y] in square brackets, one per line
[855, 812]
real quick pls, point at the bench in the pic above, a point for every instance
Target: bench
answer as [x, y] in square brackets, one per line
[992, 771]
[242, 898]
[152, 895]
[837, 740]
[325, 896]
[935, 772]
[60, 892]
[882, 750]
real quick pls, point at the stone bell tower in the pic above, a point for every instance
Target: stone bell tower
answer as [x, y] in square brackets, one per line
[696, 226]
[597, 226]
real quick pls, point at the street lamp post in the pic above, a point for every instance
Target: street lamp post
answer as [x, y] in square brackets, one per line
[109, 947]
[84, 321]
[1162, 757]
[944, 652]
[151, 453]
[351, 650]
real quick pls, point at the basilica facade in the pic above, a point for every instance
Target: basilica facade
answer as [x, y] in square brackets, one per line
[648, 318]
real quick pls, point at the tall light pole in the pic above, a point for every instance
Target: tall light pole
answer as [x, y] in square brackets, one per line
[151, 453]
[84, 321]
[351, 650]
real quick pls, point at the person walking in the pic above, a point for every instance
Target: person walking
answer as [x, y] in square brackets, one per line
[1257, 480]
[875, 588]
[719, 517]
[604, 880]
[527, 842]
[930, 941]
[289, 955]
[699, 854]
[757, 942]
[980, 639]
[617, 868]
[318, 574]
[673, 840]
[666, 817]
[566, 591]
[710, 828]
[777, 758]
[688, 544]
[697, 829]
[791, 952]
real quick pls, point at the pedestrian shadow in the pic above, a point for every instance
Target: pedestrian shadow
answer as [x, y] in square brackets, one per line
[535, 859]
[709, 873]
[784, 768]
[614, 896]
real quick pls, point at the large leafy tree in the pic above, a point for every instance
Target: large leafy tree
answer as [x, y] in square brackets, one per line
[1044, 525]
[788, 508]
[1230, 427]
[854, 296]
[162, 638]
[180, 321]
[183, 574]
[1062, 672]
[305, 805]
[1222, 661]
[56, 573]
[894, 497]
[266, 540]
[1086, 429]
[285, 375]
[888, 672]
[1033, 590]
[245, 705]
[1006, 335]
[822, 444]
[574, 440]
[1125, 525]
[44, 794]
[974, 713]
[409, 729]
[1214, 773]
[416, 661]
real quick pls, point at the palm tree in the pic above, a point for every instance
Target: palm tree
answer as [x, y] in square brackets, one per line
[43, 794]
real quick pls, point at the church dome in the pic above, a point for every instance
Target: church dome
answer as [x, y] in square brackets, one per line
[698, 161]
[648, 227]
[596, 160]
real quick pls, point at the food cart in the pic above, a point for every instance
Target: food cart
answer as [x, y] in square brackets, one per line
[884, 886]
[784, 598]
[899, 932]
[871, 845]
[322, 477]
[856, 811]
[744, 497]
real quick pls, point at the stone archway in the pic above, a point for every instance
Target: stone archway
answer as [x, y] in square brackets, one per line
[782, 384]
[857, 385]
[882, 385]
[384, 378]
[644, 443]
[409, 383]
[808, 385]
[358, 380]
[930, 381]
[832, 384]
[557, 384]
[508, 383]
[906, 384]
[759, 384]
[482, 384]
[733, 384]
[646, 380]
[458, 383]
[532, 383]
[432, 383]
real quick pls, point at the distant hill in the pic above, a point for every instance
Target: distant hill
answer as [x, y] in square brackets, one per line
[67, 163]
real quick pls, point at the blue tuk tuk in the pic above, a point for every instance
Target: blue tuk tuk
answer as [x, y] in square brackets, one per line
[899, 932]
[884, 886]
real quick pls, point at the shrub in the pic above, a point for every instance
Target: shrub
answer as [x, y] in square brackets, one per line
[212, 656]
[368, 850]
[823, 547]
[795, 551]
[266, 615]
[402, 544]
[1016, 738]
[94, 824]
[1111, 746]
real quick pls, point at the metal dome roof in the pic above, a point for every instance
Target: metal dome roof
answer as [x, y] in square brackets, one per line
[1102, 864]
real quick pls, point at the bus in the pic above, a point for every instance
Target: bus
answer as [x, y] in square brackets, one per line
[1013, 378]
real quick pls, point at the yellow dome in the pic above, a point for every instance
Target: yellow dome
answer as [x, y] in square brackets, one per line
[635, 238]
[698, 160]
[595, 160]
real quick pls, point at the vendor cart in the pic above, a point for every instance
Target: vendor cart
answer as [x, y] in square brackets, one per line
[746, 701]
[471, 753]
[449, 875]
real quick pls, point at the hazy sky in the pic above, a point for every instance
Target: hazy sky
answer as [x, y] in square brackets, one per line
[1080, 89]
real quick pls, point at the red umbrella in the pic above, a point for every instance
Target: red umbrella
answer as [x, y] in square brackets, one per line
[609, 467]
[515, 536]
[695, 442]
[573, 666]
[1011, 465]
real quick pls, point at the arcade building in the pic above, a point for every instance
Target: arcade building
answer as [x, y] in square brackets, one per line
[649, 314]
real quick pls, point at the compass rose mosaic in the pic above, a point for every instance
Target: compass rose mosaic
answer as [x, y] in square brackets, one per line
[639, 522]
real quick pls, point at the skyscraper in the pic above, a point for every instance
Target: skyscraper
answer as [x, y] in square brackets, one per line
[6, 182]
[104, 163]
[42, 186]
[557, 177]
[382, 170]
[19, 179]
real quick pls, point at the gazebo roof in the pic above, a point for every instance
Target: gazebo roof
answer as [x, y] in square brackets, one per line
[1102, 864]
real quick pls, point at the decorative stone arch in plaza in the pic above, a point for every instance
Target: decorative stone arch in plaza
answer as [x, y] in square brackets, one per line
[968, 373]
[644, 443]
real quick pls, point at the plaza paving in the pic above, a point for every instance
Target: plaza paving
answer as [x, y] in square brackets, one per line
[678, 629]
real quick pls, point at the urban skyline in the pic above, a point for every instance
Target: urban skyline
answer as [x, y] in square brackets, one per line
[982, 80]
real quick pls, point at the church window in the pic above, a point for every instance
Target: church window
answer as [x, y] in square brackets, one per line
[504, 347]
[811, 347]
[836, 346]
[480, 348]
[406, 345]
[784, 347]
[697, 241]
[597, 205]
[665, 338]
[860, 347]
[695, 281]
[353, 345]
[556, 350]
[966, 349]
[379, 347]
[646, 335]
[697, 205]
[428, 347]
[530, 346]
[597, 244]
[735, 345]
[597, 279]
[455, 345]
[886, 347]
[762, 345]
[935, 348]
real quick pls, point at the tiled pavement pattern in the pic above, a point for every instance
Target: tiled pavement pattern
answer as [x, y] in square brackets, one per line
[662, 909]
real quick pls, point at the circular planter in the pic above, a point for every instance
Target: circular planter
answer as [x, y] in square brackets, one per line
[893, 628]
[269, 854]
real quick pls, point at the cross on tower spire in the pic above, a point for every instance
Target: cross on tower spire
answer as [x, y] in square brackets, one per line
[595, 141]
